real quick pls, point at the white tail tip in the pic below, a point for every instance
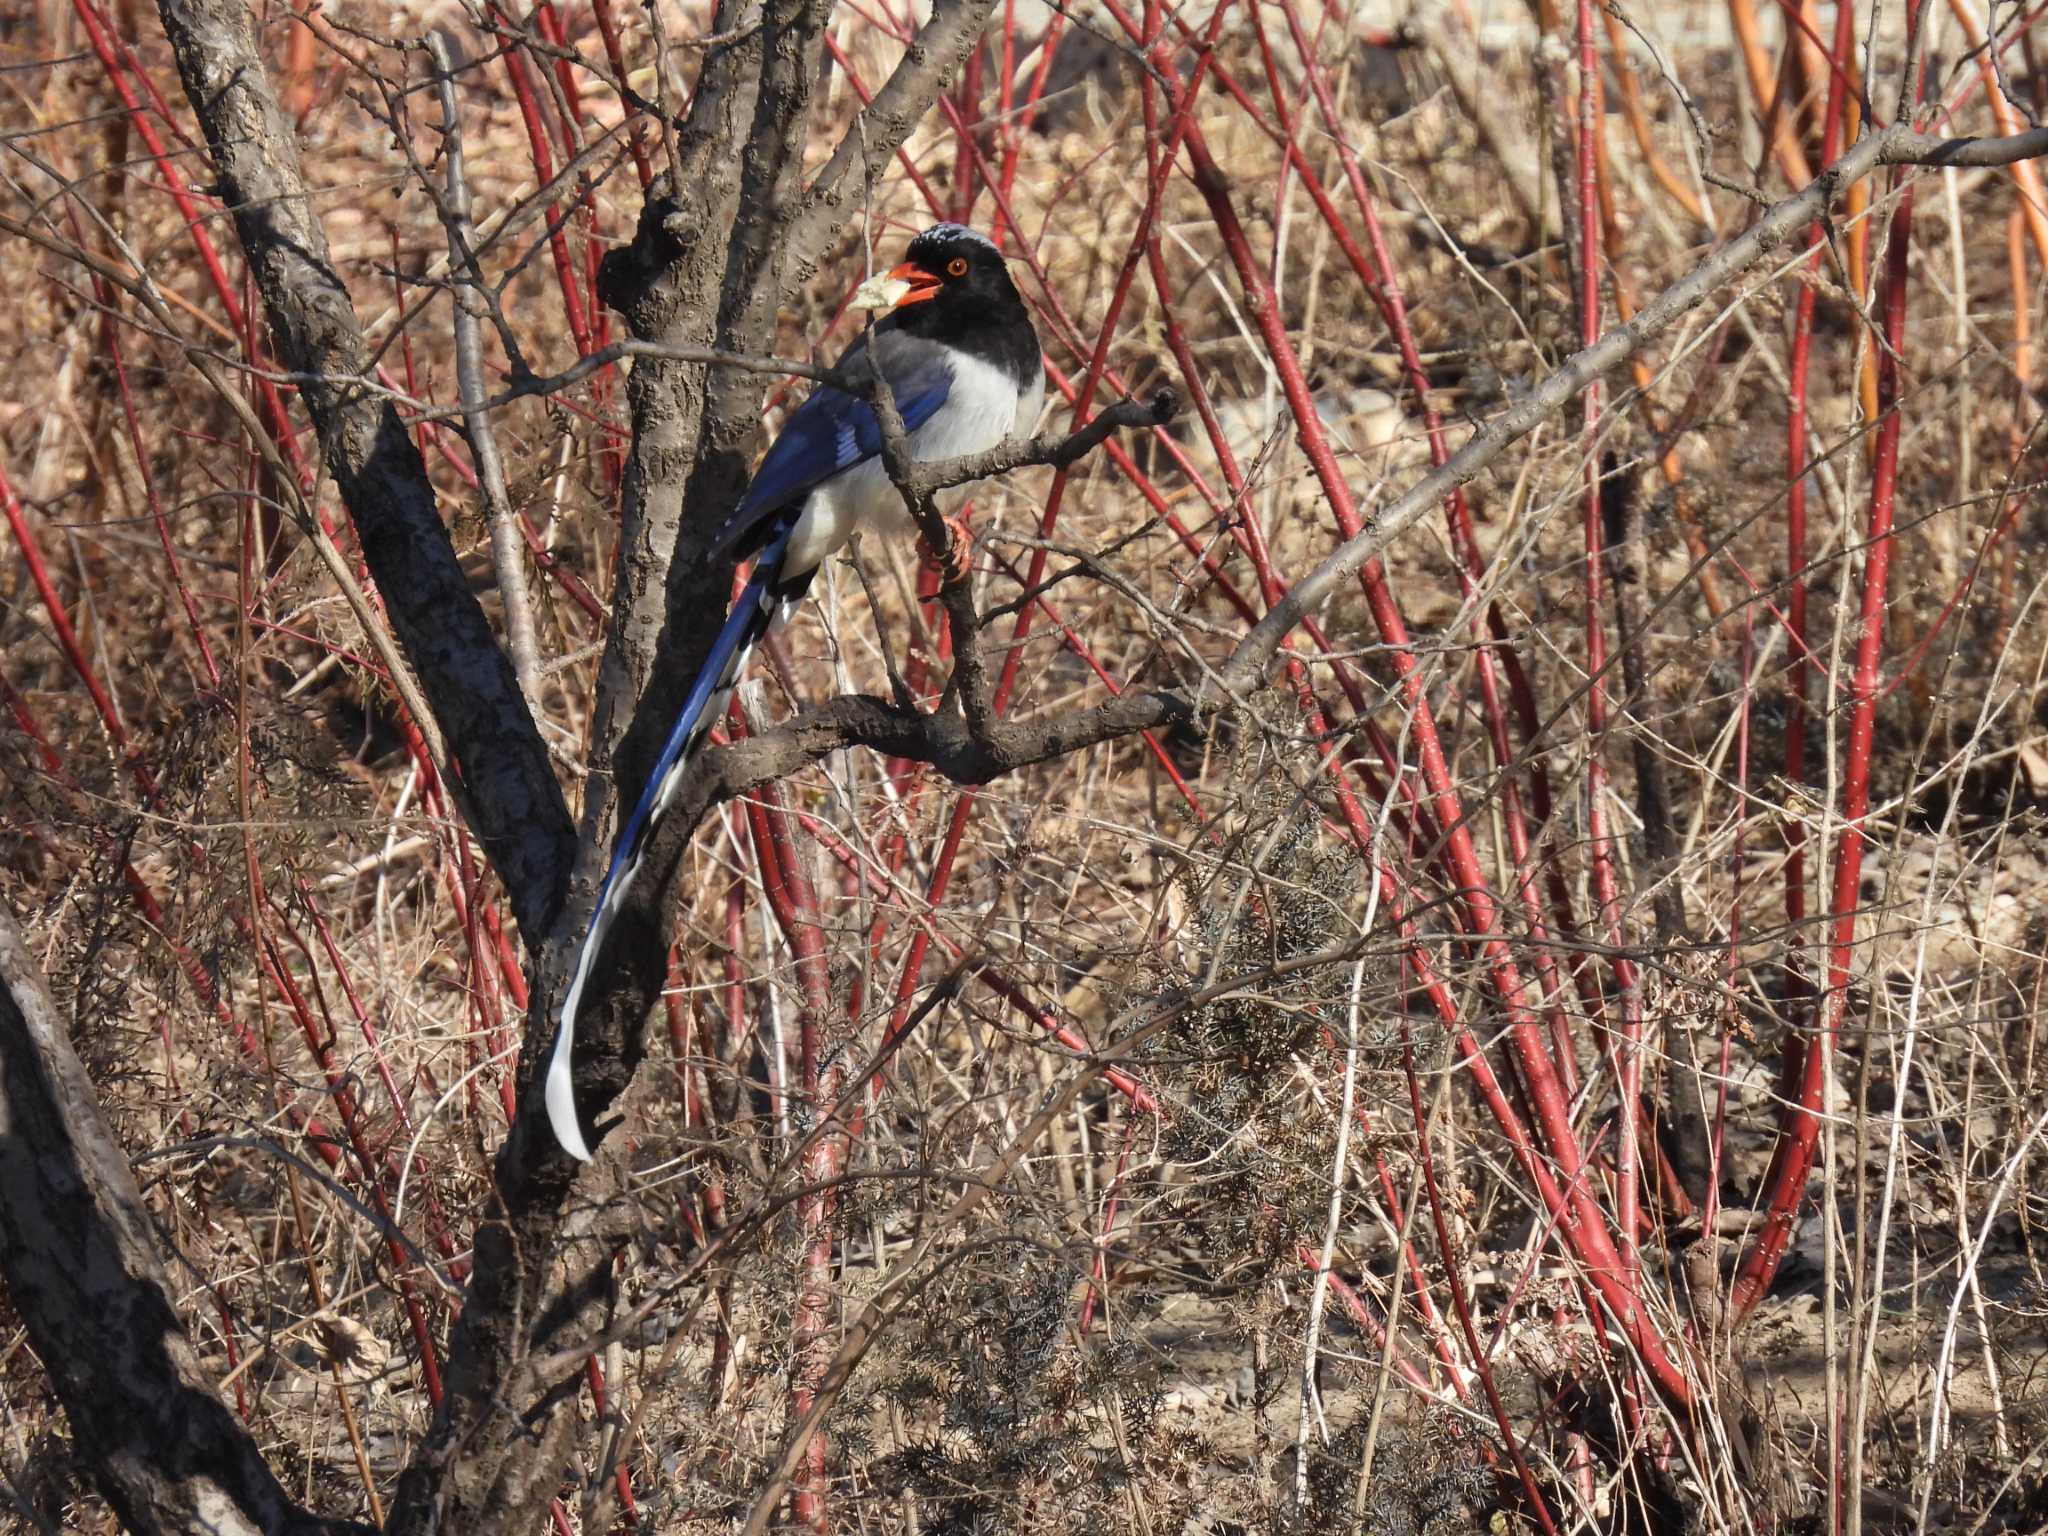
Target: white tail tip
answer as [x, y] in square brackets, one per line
[561, 1088]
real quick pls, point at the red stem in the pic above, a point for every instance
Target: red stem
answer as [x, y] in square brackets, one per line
[1799, 1126]
[1453, 1276]
[544, 173]
[1606, 879]
[1795, 491]
[795, 905]
[1585, 1226]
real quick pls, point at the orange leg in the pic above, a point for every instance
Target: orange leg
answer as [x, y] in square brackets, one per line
[953, 565]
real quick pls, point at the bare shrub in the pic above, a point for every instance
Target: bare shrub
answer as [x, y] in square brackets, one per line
[1444, 934]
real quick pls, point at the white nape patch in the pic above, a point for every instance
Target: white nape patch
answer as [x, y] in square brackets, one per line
[951, 232]
[983, 409]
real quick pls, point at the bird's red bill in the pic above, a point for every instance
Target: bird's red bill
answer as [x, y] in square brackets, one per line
[923, 285]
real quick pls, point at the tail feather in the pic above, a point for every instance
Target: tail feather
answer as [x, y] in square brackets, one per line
[764, 604]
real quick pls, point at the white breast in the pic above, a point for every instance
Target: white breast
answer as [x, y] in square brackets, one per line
[982, 410]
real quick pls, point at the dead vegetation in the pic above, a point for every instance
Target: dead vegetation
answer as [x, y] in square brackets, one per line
[1129, 1058]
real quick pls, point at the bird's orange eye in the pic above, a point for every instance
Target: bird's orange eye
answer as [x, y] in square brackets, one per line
[957, 267]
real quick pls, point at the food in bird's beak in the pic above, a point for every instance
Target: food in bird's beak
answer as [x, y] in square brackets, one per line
[905, 284]
[882, 291]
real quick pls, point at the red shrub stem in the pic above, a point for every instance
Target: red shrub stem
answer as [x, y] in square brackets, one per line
[1785, 1182]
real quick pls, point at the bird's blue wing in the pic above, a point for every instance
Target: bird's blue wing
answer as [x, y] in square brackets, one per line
[833, 431]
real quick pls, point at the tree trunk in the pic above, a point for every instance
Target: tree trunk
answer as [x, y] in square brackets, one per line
[82, 1268]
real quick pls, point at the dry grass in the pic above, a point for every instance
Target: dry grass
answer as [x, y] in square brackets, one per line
[1088, 883]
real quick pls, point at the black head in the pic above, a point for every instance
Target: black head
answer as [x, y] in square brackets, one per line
[960, 292]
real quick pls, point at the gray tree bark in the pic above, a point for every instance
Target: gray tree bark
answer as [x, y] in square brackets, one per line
[715, 253]
[78, 1251]
[506, 783]
[718, 245]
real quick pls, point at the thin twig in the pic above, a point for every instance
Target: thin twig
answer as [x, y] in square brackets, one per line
[508, 550]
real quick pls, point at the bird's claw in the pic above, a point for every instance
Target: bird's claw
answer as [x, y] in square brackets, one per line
[953, 561]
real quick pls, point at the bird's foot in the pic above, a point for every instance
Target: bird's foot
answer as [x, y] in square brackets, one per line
[953, 561]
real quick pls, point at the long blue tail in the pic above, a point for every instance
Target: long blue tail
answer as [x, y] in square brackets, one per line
[763, 604]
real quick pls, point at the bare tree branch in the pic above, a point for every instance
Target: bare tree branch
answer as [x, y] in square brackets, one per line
[919, 485]
[717, 246]
[83, 1272]
[927, 477]
[470, 684]
[690, 295]
[946, 741]
[508, 550]
[1897, 145]
[934, 57]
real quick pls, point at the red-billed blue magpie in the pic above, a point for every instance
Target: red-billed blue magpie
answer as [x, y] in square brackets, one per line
[961, 359]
